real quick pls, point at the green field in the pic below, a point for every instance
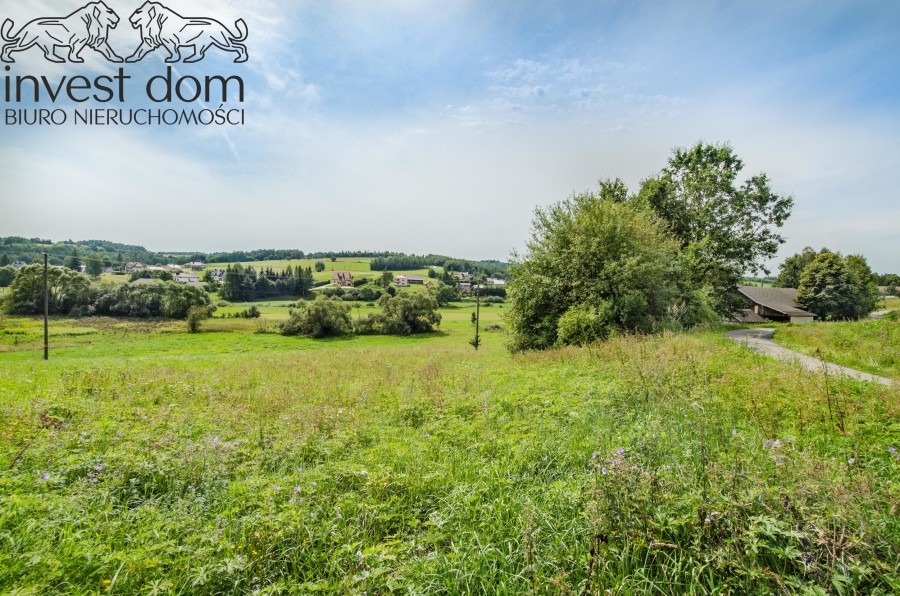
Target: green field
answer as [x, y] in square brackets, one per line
[145, 460]
[869, 345]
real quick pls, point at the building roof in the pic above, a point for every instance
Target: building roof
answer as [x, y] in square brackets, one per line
[782, 300]
[747, 317]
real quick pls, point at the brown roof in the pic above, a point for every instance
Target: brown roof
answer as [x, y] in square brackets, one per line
[783, 300]
[747, 317]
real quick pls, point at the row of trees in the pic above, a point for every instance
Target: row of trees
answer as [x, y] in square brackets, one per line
[669, 256]
[403, 314]
[241, 283]
[72, 294]
[831, 286]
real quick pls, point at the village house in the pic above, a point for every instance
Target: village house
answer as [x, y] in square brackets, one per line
[18, 265]
[462, 276]
[133, 266]
[173, 269]
[401, 281]
[416, 279]
[342, 278]
[188, 279]
[773, 304]
[492, 281]
[217, 275]
[196, 266]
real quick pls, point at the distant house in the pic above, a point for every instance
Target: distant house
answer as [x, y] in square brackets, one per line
[462, 276]
[775, 304]
[218, 275]
[401, 281]
[188, 279]
[464, 288]
[196, 266]
[133, 266]
[492, 281]
[342, 278]
[173, 269]
[416, 279]
[18, 265]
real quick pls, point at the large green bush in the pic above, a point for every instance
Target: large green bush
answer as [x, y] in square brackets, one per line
[324, 317]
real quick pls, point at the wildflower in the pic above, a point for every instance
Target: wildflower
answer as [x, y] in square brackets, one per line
[594, 455]
[777, 444]
[315, 484]
[118, 433]
[277, 487]
[742, 474]
[359, 554]
[94, 480]
[45, 476]
[768, 444]
[297, 489]
[98, 468]
[620, 451]
[427, 435]
[216, 441]
[733, 432]
[892, 450]
[300, 470]
[790, 439]
[604, 471]
[851, 461]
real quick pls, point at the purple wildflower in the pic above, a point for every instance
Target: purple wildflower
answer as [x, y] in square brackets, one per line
[94, 480]
[427, 435]
[118, 433]
[742, 474]
[315, 483]
[297, 489]
[277, 487]
[216, 441]
[620, 451]
[892, 450]
[604, 471]
[45, 476]
[733, 432]
[768, 444]
[99, 467]
[594, 455]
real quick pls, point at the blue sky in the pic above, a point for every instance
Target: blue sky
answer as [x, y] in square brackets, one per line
[426, 126]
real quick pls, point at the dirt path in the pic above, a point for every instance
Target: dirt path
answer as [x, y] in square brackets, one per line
[760, 340]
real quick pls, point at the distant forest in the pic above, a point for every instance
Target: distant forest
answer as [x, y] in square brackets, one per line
[30, 250]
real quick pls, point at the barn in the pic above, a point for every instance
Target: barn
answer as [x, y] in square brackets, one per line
[775, 304]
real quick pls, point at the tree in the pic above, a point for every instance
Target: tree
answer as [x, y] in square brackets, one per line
[324, 317]
[94, 267]
[444, 294]
[195, 316]
[7, 275]
[831, 290]
[724, 231]
[609, 261]
[4, 260]
[72, 261]
[387, 279]
[870, 296]
[68, 291]
[320, 266]
[792, 268]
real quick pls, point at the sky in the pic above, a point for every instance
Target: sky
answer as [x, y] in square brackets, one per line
[429, 126]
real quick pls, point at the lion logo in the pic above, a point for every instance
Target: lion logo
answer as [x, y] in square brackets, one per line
[163, 27]
[87, 27]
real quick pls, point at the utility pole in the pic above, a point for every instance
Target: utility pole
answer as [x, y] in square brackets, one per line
[46, 312]
[477, 341]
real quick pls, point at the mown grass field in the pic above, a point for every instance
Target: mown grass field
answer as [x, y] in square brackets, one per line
[142, 459]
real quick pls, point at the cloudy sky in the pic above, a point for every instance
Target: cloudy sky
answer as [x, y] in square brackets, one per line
[438, 126]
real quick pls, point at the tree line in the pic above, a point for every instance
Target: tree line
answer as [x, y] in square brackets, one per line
[242, 284]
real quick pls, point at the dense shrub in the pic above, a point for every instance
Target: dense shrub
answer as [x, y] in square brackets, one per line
[69, 291]
[403, 314]
[167, 300]
[324, 317]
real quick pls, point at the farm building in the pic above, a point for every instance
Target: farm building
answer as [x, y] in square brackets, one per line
[132, 267]
[342, 278]
[401, 281]
[18, 265]
[196, 266]
[188, 279]
[416, 279]
[775, 304]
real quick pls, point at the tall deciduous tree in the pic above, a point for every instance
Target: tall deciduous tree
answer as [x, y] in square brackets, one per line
[593, 266]
[68, 291]
[830, 289]
[725, 230]
[792, 268]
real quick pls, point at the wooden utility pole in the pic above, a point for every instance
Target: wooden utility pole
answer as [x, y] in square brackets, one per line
[477, 341]
[46, 312]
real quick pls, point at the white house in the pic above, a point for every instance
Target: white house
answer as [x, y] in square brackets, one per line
[196, 266]
[401, 281]
[188, 279]
[18, 265]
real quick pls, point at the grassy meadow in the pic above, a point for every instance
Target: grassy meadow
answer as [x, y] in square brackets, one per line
[145, 460]
[870, 345]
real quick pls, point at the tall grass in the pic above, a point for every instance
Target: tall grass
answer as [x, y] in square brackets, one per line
[664, 465]
[869, 345]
